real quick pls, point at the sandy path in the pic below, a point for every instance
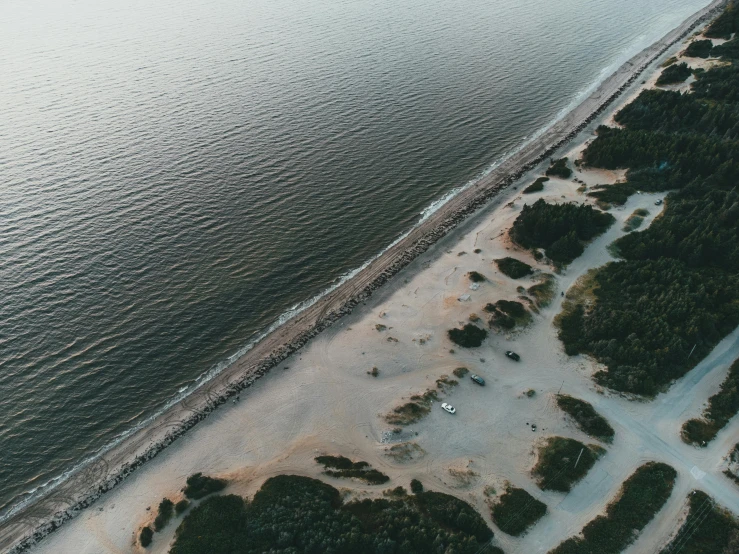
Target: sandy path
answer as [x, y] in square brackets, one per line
[324, 401]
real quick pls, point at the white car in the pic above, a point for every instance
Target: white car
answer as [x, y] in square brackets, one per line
[448, 407]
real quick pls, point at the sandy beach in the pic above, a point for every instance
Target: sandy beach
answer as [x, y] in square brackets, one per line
[305, 390]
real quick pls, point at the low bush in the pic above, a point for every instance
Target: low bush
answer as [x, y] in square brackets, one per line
[146, 536]
[469, 336]
[511, 307]
[414, 410]
[416, 486]
[181, 506]
[199, 486]
[722, 406]
[708, 528]
[516, 510]
[536, 186]
[616, 194]
[340, 463]
[543, 291]
[640, 498]
[635, 220]
[563, 462]
[699, 49]
[166, 509]
[676, 73]
[301, 515]
[476, 277]
[559, 169]
[343, 468]
[588, 420]
[460, 372]
[513, 268]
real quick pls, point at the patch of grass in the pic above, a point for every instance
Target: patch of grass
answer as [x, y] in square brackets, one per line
[722, 406]
[516, 510]
[343, 468]
[559, 169]
[460, 372]
[166, 509]
[405, 452]
[543, 291]
[146, 536]
[708, 528]
[635, 220]
[587, 418]
[674, 74]
[640, 498]
[470, 336]
[476, 277]
[414, 410]
[463, 477]
[563, 462]
[616, 194]
[199, 486]
[445, 384]
[668, 62]
[513, 268]
[536, 186]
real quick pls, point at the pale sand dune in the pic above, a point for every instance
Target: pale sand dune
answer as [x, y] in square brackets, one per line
[321, 400]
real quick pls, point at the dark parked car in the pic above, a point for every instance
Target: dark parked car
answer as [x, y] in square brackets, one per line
[477, 379]
[513, 356]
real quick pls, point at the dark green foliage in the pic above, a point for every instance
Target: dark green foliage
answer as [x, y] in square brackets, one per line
[647, 317]
[559, 228]
[513, 268]
[616, 194]
[676, 73]
[587, 419]
[722, 406]
[199, 486]
[641, 497]
[460, 372]
[146, 536]
[699, 49]
[536, 186]
[416, 486]
[470, 336]
[181, 506]
[413, 411]
[727, 50]
[504, 321]
[718, 84]
[725, 24]
[166, 508]
[511, 307]
[295, 515]
[559, 169]
[340, 462]
[555, 468]
[476, 277]
[707, 529]
[516, 511]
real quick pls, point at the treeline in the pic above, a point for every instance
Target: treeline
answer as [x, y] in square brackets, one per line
[675, 294]
[296, 515]
[708, 528]
[725, 24]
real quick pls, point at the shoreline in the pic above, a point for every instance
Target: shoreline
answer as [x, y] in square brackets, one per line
[41, 517]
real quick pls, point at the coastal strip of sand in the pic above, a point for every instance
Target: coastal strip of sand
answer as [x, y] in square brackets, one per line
[33, 521]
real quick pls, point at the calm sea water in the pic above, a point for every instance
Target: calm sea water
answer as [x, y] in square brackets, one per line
[175, 175]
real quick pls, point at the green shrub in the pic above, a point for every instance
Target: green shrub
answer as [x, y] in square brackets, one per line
[511, 307]
[414, 410]
[460, 372]
[543, 291]
[146, 536]
[476, 277]
[588, 420]
[616, 194]
[559, 169]
[199, 486]
[674, 74]
[699, 49]
[343, 468]
[513, 268]
[302, 515]
[640, 498]
[469, 336]
[516, 511]
[166, 508]
[563, 462]
[536, 186]
[722, 406]
[416, 486]
[725, 24]
[708, 528]
[181, 506]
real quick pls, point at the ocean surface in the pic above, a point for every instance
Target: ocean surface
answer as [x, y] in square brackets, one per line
[176, 176]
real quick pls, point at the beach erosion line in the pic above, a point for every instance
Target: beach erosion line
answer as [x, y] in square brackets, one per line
[38, 517]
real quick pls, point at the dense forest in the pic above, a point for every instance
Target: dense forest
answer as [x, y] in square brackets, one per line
[294, 515]
[675, 293]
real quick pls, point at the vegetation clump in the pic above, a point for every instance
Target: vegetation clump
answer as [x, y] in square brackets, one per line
[414, 410]
[722, 406]
[699, 49]
[676, 73]
[559, 169]
[507, 314]
[543, 291]
[708, 528]
[516, 510]
[405, 452]
[166, 509]
[416, 486]
[588, 420]
[343, 468]
[561, 229]
[640, 498]
[725, 24]
[302, 515]
[445, 384]
[469, 336]
[181, 506]
[146, 536]
[199, 486]
[635, 220]
[513, 268]
[476, 277]
[536, 186]
[460, 372]
[563, 462]
[616, 194]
